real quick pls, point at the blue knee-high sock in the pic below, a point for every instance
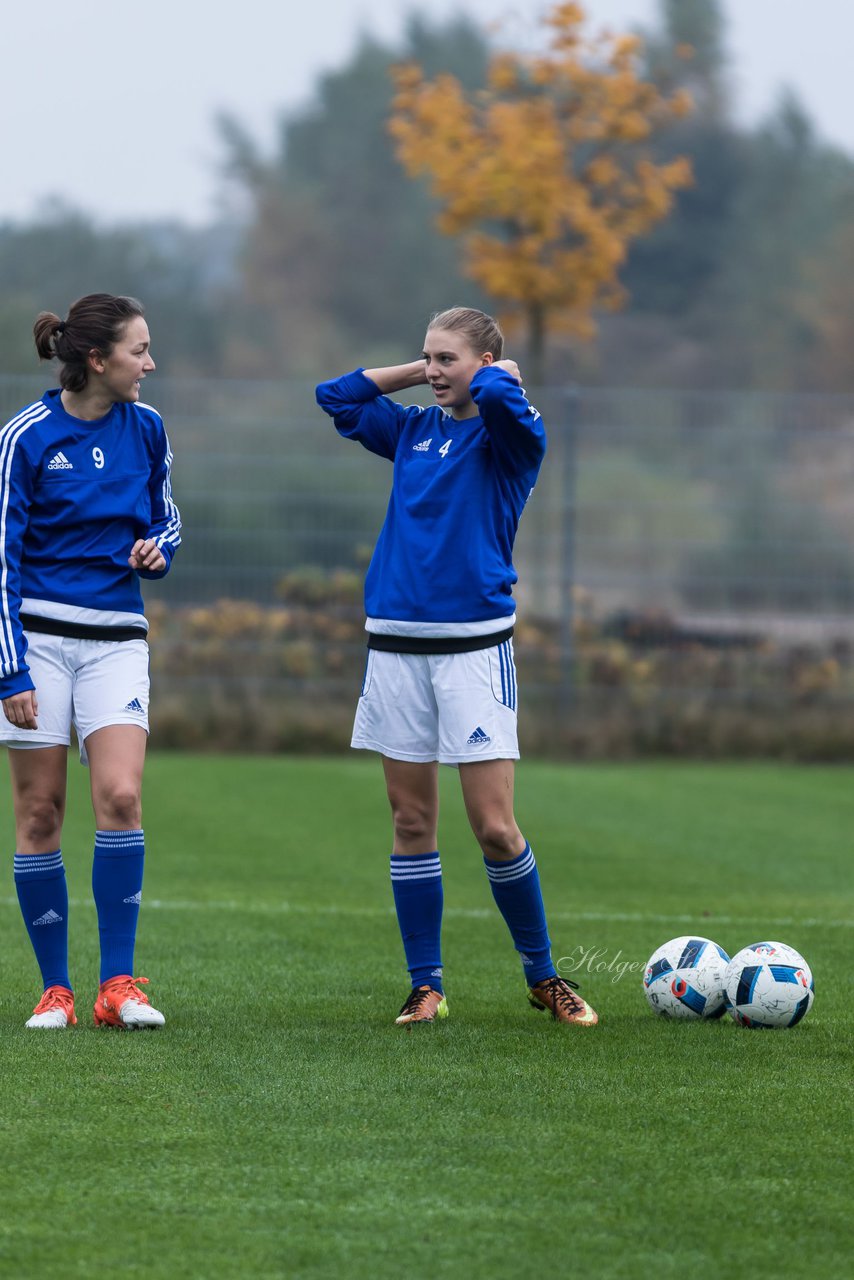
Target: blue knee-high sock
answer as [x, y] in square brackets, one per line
[516, 889]
[43, 895]
[117, 889]
[416, 882]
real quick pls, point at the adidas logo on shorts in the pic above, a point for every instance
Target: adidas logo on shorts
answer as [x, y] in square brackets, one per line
[135, 705]
[478, 738]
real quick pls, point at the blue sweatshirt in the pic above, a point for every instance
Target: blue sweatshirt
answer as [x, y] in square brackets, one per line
[443, 562]
[74, 498]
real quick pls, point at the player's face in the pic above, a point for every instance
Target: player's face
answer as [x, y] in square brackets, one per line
[451, 365]
[128, 362]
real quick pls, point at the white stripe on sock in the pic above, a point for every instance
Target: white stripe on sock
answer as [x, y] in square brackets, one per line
[512, 870]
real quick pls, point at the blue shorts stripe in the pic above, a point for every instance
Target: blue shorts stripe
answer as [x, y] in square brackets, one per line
[508, 674]
[510, 666]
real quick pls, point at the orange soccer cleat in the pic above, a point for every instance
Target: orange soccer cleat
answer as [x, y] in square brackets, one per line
[120, 1003]
[423, 1004]
[54, 1010]
[559, 997]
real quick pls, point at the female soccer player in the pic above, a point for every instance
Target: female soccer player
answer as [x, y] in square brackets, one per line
[86, 510]
[440, 681]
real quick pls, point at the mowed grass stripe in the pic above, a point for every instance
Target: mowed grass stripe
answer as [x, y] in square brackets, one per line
[459, 913]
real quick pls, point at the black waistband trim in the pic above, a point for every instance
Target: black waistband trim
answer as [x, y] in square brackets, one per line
[432, 644]
[79, 630]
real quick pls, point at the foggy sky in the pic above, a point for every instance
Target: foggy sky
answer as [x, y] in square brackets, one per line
[111, 108]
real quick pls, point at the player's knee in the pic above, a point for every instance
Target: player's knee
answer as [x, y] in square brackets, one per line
[121, 808]
[497, 837]
[412, 825]
[40, 821]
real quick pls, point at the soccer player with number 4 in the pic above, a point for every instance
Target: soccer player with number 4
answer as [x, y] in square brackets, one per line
[440, 679]
[86, 510]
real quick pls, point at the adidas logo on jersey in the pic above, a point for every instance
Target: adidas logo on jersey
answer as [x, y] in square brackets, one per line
[478, 738]
[135, 705]
[59, 462]
[135, 898]
[49, 917]
[423, 446]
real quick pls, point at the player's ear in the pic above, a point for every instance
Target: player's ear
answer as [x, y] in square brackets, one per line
[487, 358]
[95, 360]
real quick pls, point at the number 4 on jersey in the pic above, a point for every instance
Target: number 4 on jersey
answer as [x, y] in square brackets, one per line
[443, 452]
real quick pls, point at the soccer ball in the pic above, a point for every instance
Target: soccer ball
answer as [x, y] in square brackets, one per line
[768, 985]
[684, 978]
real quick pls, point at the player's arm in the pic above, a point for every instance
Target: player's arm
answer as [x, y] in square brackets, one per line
[152, 556]
[514, 426]
[17, 691]
[359, 406]
[399, 377]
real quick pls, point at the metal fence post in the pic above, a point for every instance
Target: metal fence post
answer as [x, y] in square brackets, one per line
[569, 480]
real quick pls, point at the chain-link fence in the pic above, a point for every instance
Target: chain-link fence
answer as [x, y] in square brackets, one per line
[686, 570]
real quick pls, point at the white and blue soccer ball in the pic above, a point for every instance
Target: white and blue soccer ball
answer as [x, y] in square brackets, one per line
[684, 978]
[768, 984]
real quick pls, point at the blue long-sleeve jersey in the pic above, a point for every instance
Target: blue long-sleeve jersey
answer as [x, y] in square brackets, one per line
[443, 563]
[74, 498]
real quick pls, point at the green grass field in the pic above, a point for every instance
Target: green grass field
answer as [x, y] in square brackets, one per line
[281, 1126]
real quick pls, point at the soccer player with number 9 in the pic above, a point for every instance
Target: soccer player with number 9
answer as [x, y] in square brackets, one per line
[86, 510]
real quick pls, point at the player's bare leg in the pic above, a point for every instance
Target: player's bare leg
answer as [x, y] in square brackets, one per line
[38, 796]
[488, 795]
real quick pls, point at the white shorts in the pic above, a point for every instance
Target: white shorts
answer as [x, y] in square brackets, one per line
[452, 707]
[85, 683]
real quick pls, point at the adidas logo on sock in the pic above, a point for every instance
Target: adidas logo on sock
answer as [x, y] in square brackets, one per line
[136, 898]
[59, 462]
[423, 446]
[49, 917]
[135, 705]
[478, 738]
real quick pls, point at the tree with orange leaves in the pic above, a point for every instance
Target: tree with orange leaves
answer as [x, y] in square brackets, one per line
[545, 173]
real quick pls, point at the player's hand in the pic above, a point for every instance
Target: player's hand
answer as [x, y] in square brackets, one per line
[509, 366]
[145, 554]
[22, 709]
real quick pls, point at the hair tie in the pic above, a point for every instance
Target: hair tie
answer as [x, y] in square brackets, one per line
[60, 328]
